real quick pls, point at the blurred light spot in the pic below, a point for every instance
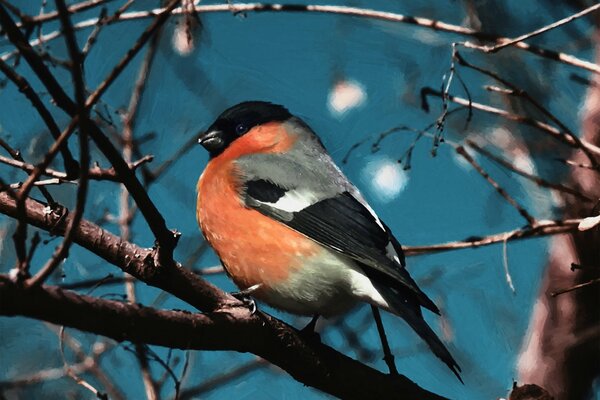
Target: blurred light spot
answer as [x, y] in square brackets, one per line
[344, 96]
[386, 178]
[427, 37]
[183, 37]
[501, 137]
[183, 41]
[13, 274]
[523, 162]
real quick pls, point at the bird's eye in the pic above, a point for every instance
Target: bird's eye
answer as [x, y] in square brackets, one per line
[240, 129]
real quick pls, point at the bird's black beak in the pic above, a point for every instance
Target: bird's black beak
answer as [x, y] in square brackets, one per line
[212, 140]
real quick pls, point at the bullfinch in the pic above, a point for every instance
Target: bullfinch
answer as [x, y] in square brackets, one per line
[292, 230]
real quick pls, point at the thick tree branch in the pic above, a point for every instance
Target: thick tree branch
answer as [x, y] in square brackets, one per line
[139, 262]
[235, 329]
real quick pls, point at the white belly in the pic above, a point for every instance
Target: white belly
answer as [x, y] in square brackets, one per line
[328, 284]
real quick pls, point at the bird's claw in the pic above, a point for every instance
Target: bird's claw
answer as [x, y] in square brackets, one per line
[247, 300]
[244, 297]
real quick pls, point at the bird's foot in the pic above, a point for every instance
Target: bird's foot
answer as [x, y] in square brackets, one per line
[244, 297]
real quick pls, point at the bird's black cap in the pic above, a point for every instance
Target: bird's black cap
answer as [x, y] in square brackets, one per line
[237, 120]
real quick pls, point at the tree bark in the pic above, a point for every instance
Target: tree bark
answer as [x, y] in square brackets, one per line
[227, 324]
[562, 348]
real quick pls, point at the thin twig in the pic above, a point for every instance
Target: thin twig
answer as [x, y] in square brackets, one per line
[91, 39]
[576, 164]
[84, 151]
[221, 379]
[16, 155]
[73, 9]
[41, 184]
[576, 287]
[71, 373]
[94, 173]
[20, 234]
[98, 349]
[530, 220]
[125, 212]
[554, 132]
[510, 42]
[541, 228]
[166, 239]
[534, 178]
[154, 27]
[44, 375]
[350, 11]
[24, 87]
[516, 91]
[184, 370]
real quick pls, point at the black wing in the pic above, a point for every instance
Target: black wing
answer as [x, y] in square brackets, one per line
[343, 224]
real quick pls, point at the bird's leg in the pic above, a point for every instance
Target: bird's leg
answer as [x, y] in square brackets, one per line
[244, 297]
[388, 357]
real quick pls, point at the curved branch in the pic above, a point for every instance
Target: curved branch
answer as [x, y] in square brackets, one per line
[541, 228]
[341, 10]
[309, 362]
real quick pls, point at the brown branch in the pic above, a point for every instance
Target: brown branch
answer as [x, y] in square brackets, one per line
[72, 374]
[50, 16]
[139, 262]
[20, 234]
[510, 42]
[158, 22]
[350, 11]
[212, 383]
[84, 152]
[126, 214]
[518, 92]
[16, 155]
[575, 287]
[110, 279]
[541, 228]
[312, 363]
[165, 238]
[534, 178]
[551, 130]
[93, 37]
[24, 87]
[559, 354]
[530, 220]
[94, 173]
[44, 375]
[40, 184]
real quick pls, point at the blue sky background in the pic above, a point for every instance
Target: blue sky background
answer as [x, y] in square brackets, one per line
[295, 59]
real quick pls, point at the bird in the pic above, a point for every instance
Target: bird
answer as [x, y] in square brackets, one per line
[292, 231]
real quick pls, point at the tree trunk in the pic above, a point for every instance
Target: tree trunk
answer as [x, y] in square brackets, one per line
[562, 350]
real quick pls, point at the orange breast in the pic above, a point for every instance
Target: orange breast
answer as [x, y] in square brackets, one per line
[253, 248]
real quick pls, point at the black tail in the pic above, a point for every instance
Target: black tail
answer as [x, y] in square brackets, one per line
[409, 309]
